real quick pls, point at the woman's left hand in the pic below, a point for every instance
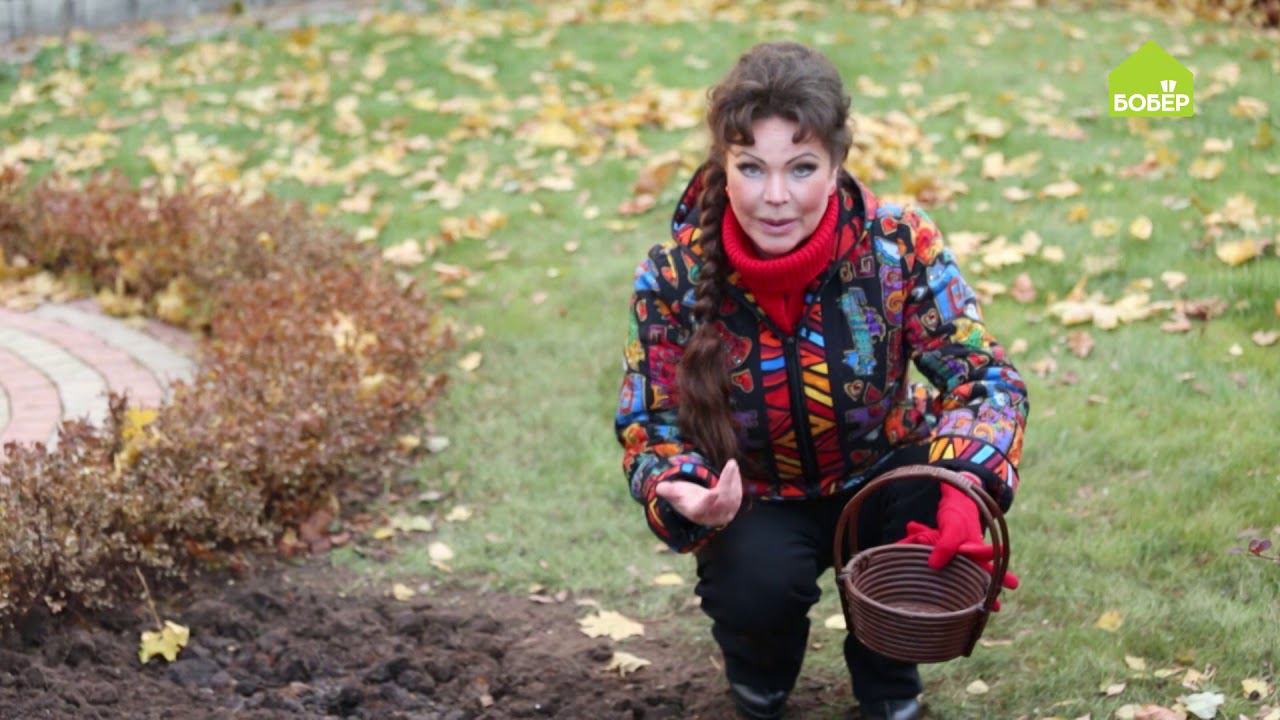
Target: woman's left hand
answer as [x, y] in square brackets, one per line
[959, 531]
[713, 507]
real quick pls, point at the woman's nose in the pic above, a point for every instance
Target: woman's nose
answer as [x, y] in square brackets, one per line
[775, 190]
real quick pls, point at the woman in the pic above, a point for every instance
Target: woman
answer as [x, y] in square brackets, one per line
[766, 379]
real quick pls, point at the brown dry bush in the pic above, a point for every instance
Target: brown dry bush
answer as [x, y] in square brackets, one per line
[307, 383]
[314, 364]
[68, 531]
[140, 241]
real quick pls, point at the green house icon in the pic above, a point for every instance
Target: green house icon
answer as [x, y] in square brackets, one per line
[1151, 83]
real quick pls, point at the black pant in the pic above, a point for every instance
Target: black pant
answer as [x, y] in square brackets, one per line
[758, 578]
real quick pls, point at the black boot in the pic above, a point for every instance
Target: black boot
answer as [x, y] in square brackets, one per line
[908, 709]
[757, 704]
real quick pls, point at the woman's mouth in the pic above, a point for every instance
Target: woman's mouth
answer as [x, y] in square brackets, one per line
[777, 226]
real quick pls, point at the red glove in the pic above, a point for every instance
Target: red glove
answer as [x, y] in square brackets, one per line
[959, 531]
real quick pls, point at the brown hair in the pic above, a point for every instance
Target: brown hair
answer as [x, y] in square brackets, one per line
[785, 80]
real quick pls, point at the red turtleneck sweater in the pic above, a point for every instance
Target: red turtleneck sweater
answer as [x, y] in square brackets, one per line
[778, 283]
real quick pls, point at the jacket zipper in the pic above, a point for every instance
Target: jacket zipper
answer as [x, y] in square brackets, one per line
[799, 417]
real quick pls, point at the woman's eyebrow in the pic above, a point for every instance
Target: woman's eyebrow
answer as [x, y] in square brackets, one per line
[805, 154]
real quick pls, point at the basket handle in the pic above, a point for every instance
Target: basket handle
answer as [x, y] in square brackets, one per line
[990, 511]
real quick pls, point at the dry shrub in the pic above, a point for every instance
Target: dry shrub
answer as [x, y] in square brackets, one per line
[141, 242]
[307, 383]
[72, 530]
[313, 366]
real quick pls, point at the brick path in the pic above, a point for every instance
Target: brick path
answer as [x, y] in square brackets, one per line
[58, 361]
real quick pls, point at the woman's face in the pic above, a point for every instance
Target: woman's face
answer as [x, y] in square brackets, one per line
[779, 188]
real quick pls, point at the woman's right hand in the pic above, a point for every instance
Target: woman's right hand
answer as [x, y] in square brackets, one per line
[714, 507]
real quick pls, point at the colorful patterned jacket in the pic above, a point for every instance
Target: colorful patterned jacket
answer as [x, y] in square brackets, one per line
[821, 408]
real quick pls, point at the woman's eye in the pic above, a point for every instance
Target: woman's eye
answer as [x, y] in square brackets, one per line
[749, 169]
[804, 170]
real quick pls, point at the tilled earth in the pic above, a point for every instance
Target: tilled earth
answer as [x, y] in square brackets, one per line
[289, 644]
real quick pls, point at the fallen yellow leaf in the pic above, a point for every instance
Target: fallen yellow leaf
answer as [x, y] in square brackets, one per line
[625, 662]
[835, 622]
[1238, 252]
[1249, 107]
[1111, 690]
[166, 642]
[412, 523]
[374, 67]
[1255, 688]
[135, 422]
[300, 38]
[1265, 338]
[369, 384]
[1016, 194]
[439, 552]
[402, 592]
[1206, 168]
[1110, 621]
[1173, 279]
[460, 513]
[977, 687]
[1126, 712]
[668, 580]
[554, 134]
[173, 304]
[987, 128]
[1135, 663]
[471, 361]
[1217, 145]
[1141, 227]
[1062, 189]
[611, 624]
[110, 302]
[1053, 254]
[407, 253]
[1104, 227]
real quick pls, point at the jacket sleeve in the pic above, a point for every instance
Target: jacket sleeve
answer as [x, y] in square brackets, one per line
[646, 425]
[982, 403]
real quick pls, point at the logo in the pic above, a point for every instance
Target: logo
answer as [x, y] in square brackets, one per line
[1151, 83]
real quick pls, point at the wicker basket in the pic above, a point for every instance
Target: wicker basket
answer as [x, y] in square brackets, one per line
[897, 605]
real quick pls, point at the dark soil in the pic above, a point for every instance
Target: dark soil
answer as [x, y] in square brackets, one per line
[288, 644]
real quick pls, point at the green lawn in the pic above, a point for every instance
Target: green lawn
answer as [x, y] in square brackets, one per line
[1144, 461]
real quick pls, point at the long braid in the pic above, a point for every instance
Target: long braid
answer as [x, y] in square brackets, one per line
[704, 411]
